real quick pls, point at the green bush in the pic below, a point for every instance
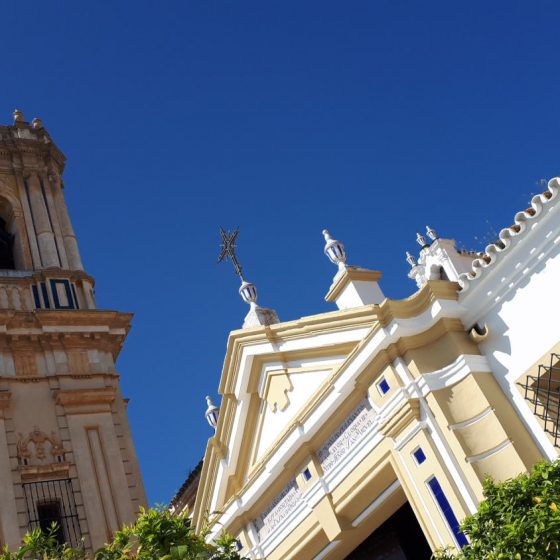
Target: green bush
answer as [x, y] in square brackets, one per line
[518, 520]
[155, 535]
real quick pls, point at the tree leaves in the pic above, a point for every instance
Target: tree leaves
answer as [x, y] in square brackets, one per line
[518, 519]
[157, 534]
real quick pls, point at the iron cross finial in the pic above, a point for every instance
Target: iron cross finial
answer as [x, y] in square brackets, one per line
[228, 247]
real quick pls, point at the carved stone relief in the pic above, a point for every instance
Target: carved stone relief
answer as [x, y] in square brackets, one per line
[39, 449]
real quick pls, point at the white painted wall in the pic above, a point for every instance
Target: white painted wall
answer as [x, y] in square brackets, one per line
[516, 297]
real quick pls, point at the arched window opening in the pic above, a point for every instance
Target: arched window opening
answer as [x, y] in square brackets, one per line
[11, 242]
[6, 247]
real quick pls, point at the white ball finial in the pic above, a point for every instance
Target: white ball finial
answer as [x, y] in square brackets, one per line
[421, 240]
[18, 116]
[211, 413]
[248, 292]
[411, 259]
[431, 233]
[334, 250]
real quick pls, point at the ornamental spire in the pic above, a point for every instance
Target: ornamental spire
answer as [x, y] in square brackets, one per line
[334, 250]
[247, 291]
[211, 413]
[411, 259]
[421, 240]
[431, 233]
[257, 316]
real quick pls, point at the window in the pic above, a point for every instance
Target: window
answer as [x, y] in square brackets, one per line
[419, 455]
[447, 512]
[383, 386]
[307, 475]
[49, 513]
[543, 393]
[53, 500]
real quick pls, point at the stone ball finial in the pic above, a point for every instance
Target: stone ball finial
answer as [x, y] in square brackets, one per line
[334, 250]
[37, 123]
[18, 116]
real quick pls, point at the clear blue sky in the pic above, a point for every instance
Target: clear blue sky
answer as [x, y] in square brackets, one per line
[371, 118]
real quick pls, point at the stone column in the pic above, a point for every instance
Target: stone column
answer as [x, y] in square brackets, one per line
[55, 221]
[33, 260]
[68, 235]
[43, 230]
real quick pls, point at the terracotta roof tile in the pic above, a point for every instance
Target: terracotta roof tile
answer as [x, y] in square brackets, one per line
[507, 236]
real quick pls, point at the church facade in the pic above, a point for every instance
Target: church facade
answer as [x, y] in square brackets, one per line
[367, 432]
[66, 452]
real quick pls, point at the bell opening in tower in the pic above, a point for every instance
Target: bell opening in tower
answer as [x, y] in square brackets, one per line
[6, 247]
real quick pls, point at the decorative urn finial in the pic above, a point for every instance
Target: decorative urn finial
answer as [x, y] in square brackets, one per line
[37, 123]
[211, 413]
[248, 292]
[431, 233]
[421, 240]
[334, 250]
[411, 260]
[18, 116]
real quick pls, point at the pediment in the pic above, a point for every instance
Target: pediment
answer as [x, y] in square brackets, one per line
[269, 381]
[283, 395]
[281, 388]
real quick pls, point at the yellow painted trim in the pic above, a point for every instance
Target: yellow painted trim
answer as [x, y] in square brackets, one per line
[351, 274]
[372, 316]
[276, 390]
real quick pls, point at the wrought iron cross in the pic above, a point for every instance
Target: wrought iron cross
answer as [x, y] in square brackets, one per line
[228, 249]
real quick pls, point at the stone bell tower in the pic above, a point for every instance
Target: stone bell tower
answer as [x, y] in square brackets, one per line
[66, 452]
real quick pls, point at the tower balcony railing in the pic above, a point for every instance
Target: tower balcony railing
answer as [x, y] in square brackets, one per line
[25, 290]
[15, 290]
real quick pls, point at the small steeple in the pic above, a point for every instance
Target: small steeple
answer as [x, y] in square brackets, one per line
[438, 260]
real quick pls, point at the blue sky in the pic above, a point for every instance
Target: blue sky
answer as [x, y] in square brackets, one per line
[370, 118]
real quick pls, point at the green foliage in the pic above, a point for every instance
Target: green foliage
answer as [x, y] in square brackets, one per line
[518, 520]
[156, 535]
[43, 545]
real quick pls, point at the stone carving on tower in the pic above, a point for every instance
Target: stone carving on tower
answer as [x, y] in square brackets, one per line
[66, 452]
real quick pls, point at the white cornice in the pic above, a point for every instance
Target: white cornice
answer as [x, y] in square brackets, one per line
[452, 374]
